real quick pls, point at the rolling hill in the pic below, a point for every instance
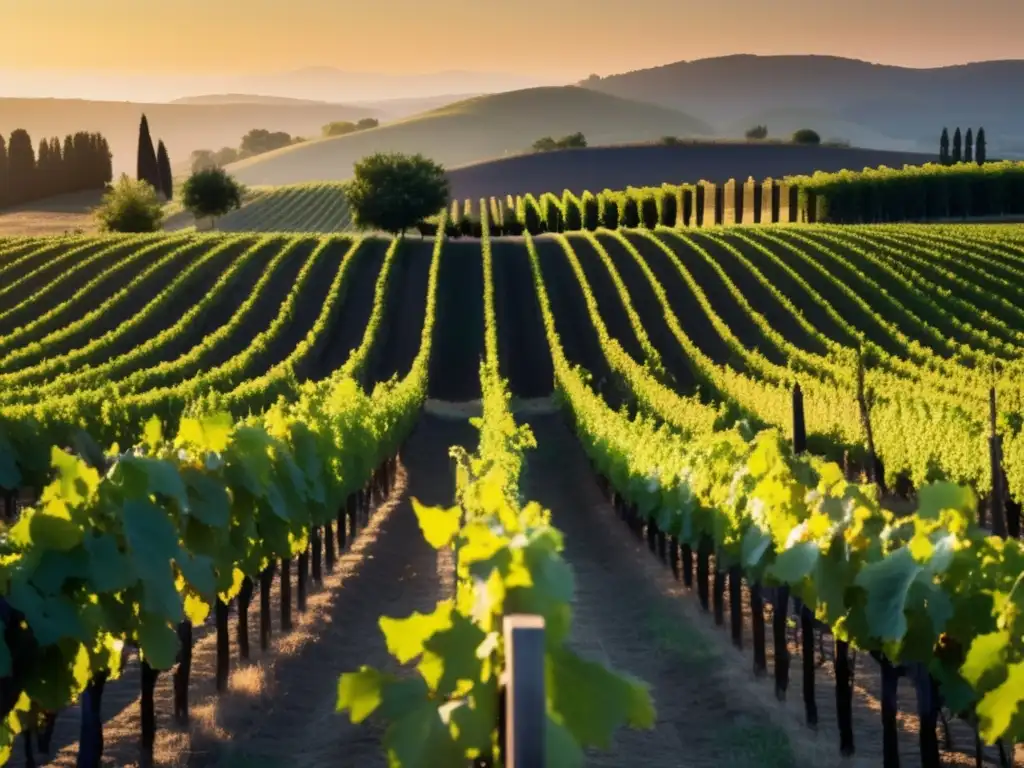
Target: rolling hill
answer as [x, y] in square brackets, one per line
[898, 102]
[477, 129]
[183, 127]
[245, 98]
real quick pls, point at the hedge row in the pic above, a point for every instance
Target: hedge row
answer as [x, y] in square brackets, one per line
[926, 192]
[882, 194]
[668, 205]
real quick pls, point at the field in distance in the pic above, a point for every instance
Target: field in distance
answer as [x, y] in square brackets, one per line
[474, 130]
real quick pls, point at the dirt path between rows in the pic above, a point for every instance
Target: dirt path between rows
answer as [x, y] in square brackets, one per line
[710, 710]
[280, 708]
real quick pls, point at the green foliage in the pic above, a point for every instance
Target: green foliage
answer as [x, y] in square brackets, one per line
[981, 150]
[211, 193]
[957, 155]
[573, 215]
[916, 192]
[757, 133]
[649, 216]
[668, 213]
[806, 136]
[163, 162]
[344, 127]
[591, 212]
[609, 211]
[630, 212]
[548, 144]
[146, 166]
[456, 649]
[969, 146]
[393, 191]
[259, 141]
[130, 206]
[944, 156]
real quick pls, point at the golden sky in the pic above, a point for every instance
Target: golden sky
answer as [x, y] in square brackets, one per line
[555, 37]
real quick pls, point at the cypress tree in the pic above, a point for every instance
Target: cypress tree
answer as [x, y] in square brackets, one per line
[969, 146]
[944, 147]
[3, 172]
[106, 163]
[59, 172]
[980, 148]
[21, 167]
[957, 156]
[44, 176]
[146, 165]
[163, 164]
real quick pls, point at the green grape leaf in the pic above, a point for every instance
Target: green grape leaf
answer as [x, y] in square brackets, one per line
[198, 572]
[208, 497]
[936, 497]
[793, 565]
[560, 748]
[756, 542]
[457, 646]
[406, 637]
[986, 659]
[360, 693]
[422, 739]
[209, 433]
[110, 569]
[76, 481]
[161, 477]
[1000, 707]
[50, 527]
[51, 619]
[152, 537]
[439, 525]
[54, 568]
[887, 584]
[593, 701]
[158, 641]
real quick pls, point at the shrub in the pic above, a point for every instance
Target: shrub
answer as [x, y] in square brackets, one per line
[529, 214]
[393, 191]
[211, 193]
[545, 144]
[630, 212]
[573, 214]
[669, 141]
[669, 209]
[591, 212]
[427, 229]
[649, 210]
[609, 211]
[130, 206]
[466, 220]
[806, 136]
[552, 213]
[511, 225]
[757, 133]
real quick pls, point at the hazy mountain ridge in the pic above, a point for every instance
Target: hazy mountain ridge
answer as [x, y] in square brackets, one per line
[900, 102]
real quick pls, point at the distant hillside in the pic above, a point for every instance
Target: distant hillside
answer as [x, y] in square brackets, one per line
[183, 127]
[897, 102]
[244, 98]
[481, 128]
[396, 109]
[597, 168]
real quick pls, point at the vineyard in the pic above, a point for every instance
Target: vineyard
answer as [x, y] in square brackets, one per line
[311, 207]
[227, 482]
